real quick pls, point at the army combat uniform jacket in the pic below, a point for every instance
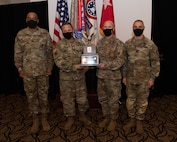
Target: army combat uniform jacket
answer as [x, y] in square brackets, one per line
[33, 52]
[111, 53]
[66, 56]
[142, 60]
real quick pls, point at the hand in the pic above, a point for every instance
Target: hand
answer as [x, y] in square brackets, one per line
[21, 74]
[49, 72]
[102, 66]
[78, 66]
[124, 80]
[150, 83]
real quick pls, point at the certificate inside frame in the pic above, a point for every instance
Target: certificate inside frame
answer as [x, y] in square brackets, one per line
[90, 60]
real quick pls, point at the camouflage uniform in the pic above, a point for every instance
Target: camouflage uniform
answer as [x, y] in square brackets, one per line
[72, 81]
[141, 66]
[111, 53]
[33, 55]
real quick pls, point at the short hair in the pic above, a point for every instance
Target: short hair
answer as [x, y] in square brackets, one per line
[138, 20]
[66, 23]
[32, 12]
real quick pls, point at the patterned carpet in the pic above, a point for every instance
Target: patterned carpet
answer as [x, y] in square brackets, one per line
[160, 123]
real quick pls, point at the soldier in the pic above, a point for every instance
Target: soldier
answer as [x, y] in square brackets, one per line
[139, 73]
[67, 55]
[112, 58]
[34, 61]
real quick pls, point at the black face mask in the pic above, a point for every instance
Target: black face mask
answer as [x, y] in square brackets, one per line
[31, 23]
[138, 32]
[68, 35]
[107, 32]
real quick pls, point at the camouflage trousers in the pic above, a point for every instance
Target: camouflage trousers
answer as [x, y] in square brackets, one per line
[36, 89]
[137, 99]
[71, 92]
[109, 93]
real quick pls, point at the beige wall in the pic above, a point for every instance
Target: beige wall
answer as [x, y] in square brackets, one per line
[2, 2]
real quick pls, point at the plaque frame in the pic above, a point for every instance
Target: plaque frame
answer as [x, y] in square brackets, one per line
[90, 60]
[89, 56]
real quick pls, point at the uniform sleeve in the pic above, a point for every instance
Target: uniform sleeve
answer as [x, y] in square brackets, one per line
[124, 67]
[50, 60]
[155, 62]
[18, 53]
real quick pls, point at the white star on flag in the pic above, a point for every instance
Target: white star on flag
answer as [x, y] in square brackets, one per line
[61, 16]
[106, 3]
[107, 14]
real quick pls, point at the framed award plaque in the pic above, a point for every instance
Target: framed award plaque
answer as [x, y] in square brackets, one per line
[90, 60]
[89, 56]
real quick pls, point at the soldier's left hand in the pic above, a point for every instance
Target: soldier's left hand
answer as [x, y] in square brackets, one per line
[150, 83]
[49, 72]
[124, 81]
[102, 66]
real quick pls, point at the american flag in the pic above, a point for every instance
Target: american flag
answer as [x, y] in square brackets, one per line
[61, 16]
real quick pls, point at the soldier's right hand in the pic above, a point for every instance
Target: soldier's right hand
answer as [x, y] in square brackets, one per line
[78, 66]
[124, 81]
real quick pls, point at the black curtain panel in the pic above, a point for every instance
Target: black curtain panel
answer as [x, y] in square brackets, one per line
[12, 20]
[164, 31]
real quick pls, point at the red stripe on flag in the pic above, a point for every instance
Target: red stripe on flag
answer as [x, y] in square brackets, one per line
[61, 16]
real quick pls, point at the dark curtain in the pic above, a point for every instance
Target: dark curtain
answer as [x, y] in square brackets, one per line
[164, 31]
[12, 20]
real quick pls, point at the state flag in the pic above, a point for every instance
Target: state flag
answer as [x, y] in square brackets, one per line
[107, 14]
[91, 21]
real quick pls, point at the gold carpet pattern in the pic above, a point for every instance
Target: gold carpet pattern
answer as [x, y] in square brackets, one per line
[160, 124]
